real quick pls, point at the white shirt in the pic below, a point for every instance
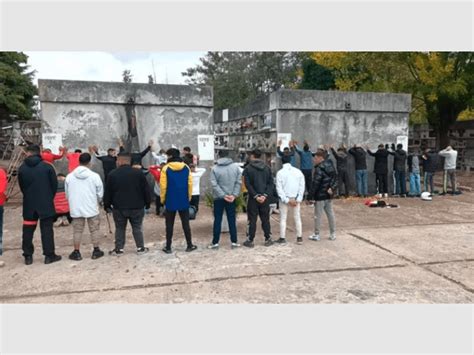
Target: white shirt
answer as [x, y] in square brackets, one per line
[290, 183]
[159, 159]
[197, 174]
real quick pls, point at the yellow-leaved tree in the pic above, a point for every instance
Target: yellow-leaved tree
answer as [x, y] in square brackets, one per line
[441, 83]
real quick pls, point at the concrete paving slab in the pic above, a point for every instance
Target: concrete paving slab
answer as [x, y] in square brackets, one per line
[389, 285]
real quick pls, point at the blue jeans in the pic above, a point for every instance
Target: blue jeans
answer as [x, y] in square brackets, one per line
[1, 230]
[401, 182]
[361, 178]
[219, 206]
[415, 184]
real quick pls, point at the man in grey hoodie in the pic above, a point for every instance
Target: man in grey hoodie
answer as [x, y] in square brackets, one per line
[450, 155]
[226, 181]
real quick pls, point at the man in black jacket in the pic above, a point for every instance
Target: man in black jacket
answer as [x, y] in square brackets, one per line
[258, 180]
[323, 188]
[109, 161]
[342, 174]
[381, 169]
[361, 169]
[127, 194]
[430, 165]
[38, 183]
[399, 167]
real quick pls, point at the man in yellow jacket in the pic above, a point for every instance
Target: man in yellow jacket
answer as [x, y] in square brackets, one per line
[176, 185]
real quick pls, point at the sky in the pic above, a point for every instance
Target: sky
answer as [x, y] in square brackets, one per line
[108, 66]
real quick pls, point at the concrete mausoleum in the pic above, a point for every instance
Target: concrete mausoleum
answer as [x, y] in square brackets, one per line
[92, 112]
[320, 117]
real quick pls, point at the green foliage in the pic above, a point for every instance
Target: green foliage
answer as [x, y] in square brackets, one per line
[315, 76]
[441, 83]
[240, 77]
[16, 86]
[239, 201]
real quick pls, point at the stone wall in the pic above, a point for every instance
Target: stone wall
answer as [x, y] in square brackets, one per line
[333, 117]
[86, 113]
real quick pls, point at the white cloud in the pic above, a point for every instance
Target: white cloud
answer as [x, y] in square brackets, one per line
[105, 66]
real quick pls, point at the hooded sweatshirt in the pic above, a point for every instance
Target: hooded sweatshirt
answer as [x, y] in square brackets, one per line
[38, 183]
[176, 185]
[341, 159]
[359, 157]
[450, 157]
[84, 191]
[399, 160]
[50, 157]
[226, 178]
[73, 159]
[3, 186]
[258, 179]
[290, 184]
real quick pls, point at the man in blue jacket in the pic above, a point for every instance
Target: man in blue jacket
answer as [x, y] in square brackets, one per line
[306, 162]
[176, 188]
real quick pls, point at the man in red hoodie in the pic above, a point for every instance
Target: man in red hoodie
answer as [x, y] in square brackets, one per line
[3, 198]
[73, 159]
[49, 157]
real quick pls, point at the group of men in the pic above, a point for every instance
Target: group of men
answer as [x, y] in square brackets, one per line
[126, 194]
[414, 161]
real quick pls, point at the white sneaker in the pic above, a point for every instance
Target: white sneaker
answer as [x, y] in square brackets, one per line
[332, 237]
[378, 195]
[314, 237]
[213, 246]
[235, 245]
[58, 223]
[385, 195]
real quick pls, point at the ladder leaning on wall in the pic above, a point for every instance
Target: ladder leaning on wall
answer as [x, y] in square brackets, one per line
[18, 156]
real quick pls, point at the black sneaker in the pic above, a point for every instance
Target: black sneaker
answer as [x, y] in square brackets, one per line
[268, 242]
[281, 241]
[248, 243]
[116, 252]
[97, 253]
[75, 255]
[299, 240]
[29, 260]
[191, 248]
[142, 250]
[52, 259]
[167, 250]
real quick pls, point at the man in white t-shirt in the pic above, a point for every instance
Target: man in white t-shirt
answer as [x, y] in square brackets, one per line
[196, 173]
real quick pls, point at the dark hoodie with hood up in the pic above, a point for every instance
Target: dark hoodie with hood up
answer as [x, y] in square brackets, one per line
[38, 183]
[258, 179]
[400, 160]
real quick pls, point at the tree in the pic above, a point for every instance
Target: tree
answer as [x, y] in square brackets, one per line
[240, 77]
[127, 76]
[441, 83]
[16, 86]
[315, 77]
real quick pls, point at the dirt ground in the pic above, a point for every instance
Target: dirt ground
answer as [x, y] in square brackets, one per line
[421, 252]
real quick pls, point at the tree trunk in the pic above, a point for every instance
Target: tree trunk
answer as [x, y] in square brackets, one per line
[443, 139]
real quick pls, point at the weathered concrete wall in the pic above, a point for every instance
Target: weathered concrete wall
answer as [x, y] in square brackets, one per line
[99, 113]
[333, 117]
